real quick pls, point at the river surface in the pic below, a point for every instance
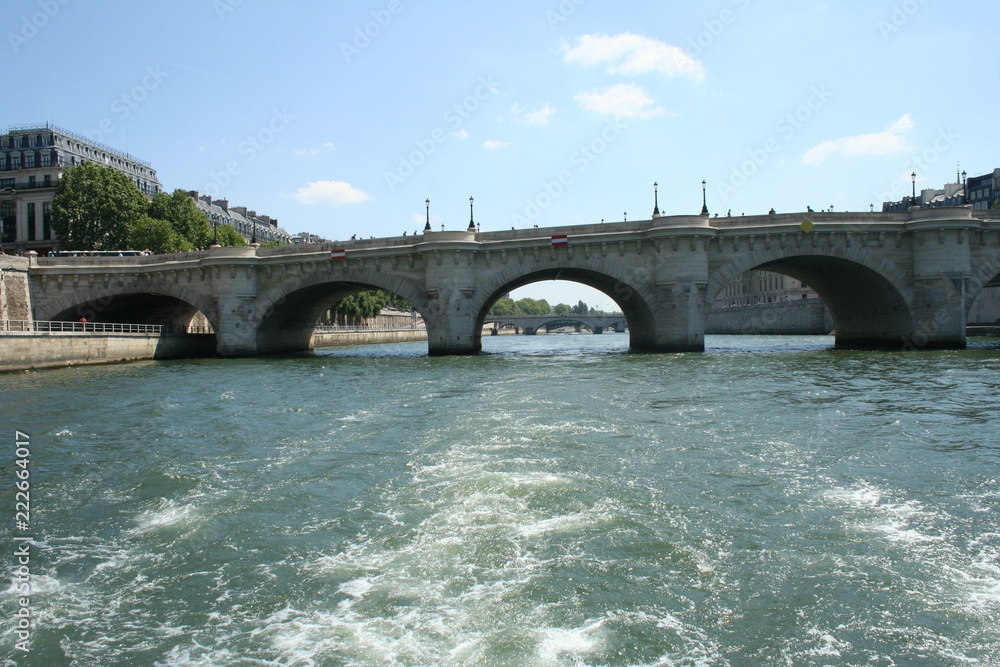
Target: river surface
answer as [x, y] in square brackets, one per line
[555, 501]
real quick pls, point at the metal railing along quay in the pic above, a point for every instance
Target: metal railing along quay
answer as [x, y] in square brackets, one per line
[28, 326]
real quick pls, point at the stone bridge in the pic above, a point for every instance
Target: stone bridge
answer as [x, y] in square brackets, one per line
[892, 280]
[531, 324]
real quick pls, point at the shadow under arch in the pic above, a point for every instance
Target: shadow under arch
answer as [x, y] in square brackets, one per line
[984, 287]
[636, 308]
[134, 308]
[868, 310]
[288, 323]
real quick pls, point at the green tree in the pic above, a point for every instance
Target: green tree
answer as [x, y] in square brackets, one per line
[366, 305]
[95, 207]
[562, 309]
[157, 236]
[182, 213]
[529, 306]
[504, 308]
[229, 236]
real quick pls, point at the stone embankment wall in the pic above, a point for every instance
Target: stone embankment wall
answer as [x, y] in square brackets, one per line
[804, 317]
[327, 339]
[21, 351]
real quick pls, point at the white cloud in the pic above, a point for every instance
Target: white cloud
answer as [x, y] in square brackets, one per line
[313, 151]
[890, 140]
[534, 117]
[461, 135]
[632, 55]
[332, 193]
[624, 100]
[494, 145]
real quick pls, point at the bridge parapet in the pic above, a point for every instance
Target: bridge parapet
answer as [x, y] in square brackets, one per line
[885, 276]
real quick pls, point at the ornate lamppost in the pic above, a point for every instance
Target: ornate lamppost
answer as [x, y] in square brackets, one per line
[472, 217]
[704, 201]
[427, 226]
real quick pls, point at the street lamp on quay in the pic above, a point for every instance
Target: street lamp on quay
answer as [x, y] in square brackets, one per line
[427, 227]
[913, 181]
[704, 201]
[472, 217]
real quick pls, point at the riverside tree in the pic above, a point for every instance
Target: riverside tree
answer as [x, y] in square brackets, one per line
[99, 208]
[95, 207]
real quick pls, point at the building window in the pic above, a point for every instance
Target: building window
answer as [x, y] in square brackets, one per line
[48, 180]
[8, 222]
[31, 221]
[46, 159]
[47, 220]
[15, 161]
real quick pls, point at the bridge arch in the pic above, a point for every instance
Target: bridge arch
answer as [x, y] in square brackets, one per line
[867, 295]
[166, 304]
[986, 274]
[631, 292]
[291, 308]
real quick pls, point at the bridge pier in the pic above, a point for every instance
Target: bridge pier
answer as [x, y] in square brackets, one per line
[237, 332]
[942, 266]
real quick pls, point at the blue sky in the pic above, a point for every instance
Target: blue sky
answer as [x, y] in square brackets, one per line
[342, 118]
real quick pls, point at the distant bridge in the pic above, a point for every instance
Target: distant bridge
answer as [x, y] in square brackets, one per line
[531, 324]
[902, 280]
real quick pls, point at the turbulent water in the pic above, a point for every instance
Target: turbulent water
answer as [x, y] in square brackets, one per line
[555, 501]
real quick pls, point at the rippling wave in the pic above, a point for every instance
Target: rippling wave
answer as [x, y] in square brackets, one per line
[555, 501]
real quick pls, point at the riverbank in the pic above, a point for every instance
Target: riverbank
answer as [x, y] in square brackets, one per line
[367, 337]
[31, 350]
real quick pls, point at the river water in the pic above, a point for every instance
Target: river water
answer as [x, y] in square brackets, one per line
[555, 501]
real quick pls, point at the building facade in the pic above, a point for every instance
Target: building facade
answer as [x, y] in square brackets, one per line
[249, 224]
[32, 159]
[756, 288]
[979, 192]
[984, 191]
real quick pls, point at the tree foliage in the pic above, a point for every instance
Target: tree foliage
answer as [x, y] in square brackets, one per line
[363, 306]
[527, 306]
[95, 207]
[99, 208]
[182, 213]
[229, 236]
[157, 236]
